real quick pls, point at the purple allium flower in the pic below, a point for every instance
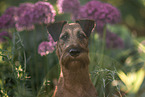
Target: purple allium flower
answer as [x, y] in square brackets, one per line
[7, 20]
[3, 36]
[23, 8]
[29, 14]
[70, 6]
[25, 17]
[43, 12]
[102, 13]
[11, 10]
[113, 41]
[46, 47]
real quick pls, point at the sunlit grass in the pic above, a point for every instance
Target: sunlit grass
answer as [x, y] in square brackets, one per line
[131, 80]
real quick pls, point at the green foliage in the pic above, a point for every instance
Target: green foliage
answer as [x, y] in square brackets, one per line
[24, 73]
[106, 65]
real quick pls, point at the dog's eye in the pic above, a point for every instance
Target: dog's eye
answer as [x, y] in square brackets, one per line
[80, 35]
[65, 37]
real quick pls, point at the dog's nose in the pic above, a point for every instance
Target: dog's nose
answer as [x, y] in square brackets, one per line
[74, 52]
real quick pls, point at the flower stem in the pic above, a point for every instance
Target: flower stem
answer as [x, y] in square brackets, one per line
[103, 45]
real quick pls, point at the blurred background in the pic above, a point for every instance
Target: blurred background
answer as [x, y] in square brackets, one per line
[29, 66]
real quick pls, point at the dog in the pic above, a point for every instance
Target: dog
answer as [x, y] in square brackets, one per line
[72, 51]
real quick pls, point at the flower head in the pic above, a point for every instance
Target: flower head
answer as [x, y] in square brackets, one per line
[23, 8]
[29, 14]
[102, 13]
[11, 10]
[43, 12]
[46, 47]
[7, 20]
[113, 41]
[70, 6]
[24, 17]
[3, 36]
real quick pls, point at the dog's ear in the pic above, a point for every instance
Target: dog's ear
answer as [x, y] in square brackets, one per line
[87, 26]
[55, 29]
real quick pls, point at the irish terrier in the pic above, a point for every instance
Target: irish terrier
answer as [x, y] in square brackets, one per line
[72, 51]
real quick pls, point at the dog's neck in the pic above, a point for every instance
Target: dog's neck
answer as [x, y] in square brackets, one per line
[74, 79]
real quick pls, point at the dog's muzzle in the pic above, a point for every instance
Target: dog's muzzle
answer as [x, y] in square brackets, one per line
[74, 52]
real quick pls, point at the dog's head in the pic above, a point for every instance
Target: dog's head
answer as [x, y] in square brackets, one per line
[72, 42]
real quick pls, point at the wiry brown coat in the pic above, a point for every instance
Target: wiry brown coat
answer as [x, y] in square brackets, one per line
[74, 80]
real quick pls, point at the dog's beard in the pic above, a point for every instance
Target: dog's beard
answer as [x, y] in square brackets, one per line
[74, 63]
